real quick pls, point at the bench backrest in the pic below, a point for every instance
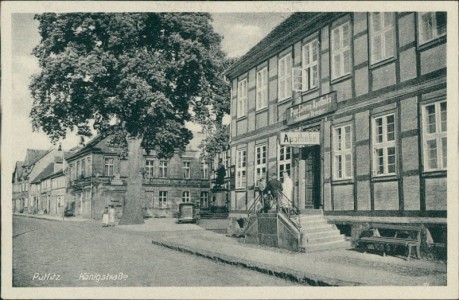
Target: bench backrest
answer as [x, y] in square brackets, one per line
[399, 228]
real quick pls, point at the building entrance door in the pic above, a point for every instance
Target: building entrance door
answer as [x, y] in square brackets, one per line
[311, 155]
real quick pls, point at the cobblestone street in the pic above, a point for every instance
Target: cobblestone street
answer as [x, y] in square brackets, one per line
[71, 249]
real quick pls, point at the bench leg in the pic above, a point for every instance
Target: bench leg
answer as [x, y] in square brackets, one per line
[409, 252]
[418, 252]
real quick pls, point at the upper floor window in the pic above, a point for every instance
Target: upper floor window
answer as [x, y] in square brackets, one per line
[149, 168]
[284, 161]
[163, 169]
[83, 167]
[431, 26]
[435, 136]
[285, 77]
[163, 199]
[78, 169]
[310, 65]
[260, 163]
[89, 166]
[382, 39]
[342, 152]
[241, 168]
[186, 169]
[242, 98]
[262, 88]
[384, 157]
[341, 50]
[204, 170]
[108, 168]
[186, 196]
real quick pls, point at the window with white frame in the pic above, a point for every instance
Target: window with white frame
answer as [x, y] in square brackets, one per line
[89, 166]
[284, 160]
[432, 25]
[262, 88]
[108, 167]
[204, 170]
[341, 50]
[149, 167]
[163, 169]
[186, 196]
[260, 163]
[186, 169]
[242, 98]
[435, 136]
[204, 199]
[241, 168]
[382, 36]
[384, 149]
[285, 77]
[310, 65]
[342, 152]
[162, 199]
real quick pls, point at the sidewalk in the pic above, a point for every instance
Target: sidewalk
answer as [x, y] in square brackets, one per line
[52, 218]
[335, 267]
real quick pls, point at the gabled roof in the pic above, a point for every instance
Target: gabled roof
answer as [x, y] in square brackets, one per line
[33, 155]
[91, 144]
[17, 173]
[48, 171]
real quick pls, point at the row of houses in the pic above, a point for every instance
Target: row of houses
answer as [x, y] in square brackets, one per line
[83, 181]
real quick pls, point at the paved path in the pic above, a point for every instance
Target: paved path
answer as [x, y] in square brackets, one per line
[71, 249]
[337, 267]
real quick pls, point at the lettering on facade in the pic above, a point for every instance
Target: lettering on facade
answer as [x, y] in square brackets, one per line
[299, 138]
[312, 108]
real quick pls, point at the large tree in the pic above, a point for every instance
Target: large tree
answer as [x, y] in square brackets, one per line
[138, 77]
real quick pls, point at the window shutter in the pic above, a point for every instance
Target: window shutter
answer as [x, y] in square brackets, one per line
[297, 82]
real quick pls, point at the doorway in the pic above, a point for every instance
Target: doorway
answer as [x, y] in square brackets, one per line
[311, 156]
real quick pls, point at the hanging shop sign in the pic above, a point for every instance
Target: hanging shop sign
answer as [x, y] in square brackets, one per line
[299, 138]
[312, 108]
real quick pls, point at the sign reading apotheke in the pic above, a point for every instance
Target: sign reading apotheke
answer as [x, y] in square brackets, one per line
[299, 138]
[312, 108]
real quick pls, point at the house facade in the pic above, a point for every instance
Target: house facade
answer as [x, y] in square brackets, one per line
[353, 107]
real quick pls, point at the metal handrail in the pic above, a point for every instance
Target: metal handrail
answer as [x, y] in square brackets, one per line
[251, 210]
[292, 209]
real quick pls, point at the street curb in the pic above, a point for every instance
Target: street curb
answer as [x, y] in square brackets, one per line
[36, 217]
[280, 272]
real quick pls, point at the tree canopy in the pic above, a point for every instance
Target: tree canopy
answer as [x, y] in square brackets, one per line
[141, 75]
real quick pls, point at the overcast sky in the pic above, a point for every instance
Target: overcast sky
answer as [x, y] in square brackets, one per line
[240, 32]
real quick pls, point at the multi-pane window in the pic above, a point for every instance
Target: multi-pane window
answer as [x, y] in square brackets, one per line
[149, 168]
[89, 166]
[435, 136]
[382, 36]
[226, 159]
[341, 50]
[163, 169]
[342, 152]
[78, 169]
[83, 167]
[204, 199]
[186, 196]
[262, 88]
[241, 98]
[284, 160]
[163, 199]
[204, 170]
[285, 77]
[241, 168]
[186, 169]
[108, 167]
[260, 163]
[310, 65]
[431, 26]
[384, 150]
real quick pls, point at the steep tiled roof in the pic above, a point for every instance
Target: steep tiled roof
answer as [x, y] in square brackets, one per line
[33, 155]
[89, 145]
[48, 171]
[18, 169]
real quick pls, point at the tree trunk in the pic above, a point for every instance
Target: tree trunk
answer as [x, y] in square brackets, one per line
[135, 194]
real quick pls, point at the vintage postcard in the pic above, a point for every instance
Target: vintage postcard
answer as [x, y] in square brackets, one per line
[229, 150]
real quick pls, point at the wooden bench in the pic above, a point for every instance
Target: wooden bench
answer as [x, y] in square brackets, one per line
[403, 235]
